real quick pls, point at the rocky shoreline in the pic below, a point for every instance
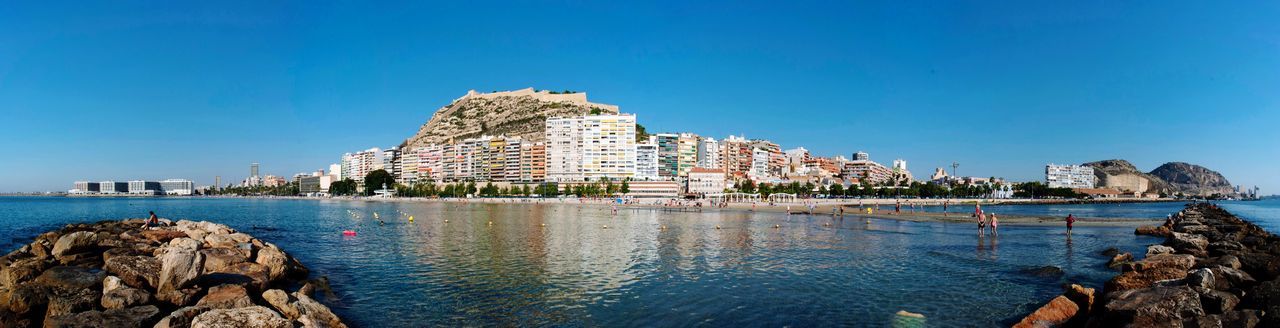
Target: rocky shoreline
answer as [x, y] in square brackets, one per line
[1213, 270]
[181, 274]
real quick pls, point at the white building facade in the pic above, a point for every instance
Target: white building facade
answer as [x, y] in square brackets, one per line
[588, 148]
[1069, 176]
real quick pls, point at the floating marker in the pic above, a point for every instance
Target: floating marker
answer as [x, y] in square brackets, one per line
[604, 227]
[717, 227]
[776, 226]
[410, 218]
[348, 233]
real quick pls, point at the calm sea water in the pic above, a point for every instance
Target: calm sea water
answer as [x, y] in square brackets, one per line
[1152, 210]
[571, 272]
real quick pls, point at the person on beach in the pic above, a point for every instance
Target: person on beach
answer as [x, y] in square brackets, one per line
[1071, 219]
[944, 206]
[151, 222]
[995, 224]
[897, 207]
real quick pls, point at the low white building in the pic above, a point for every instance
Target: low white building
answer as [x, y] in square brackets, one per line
[705, 182]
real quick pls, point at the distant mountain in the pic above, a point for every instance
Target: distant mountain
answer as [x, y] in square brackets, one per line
[519, 113]
[1170, 178]
[1121, 175]
[1193, 179]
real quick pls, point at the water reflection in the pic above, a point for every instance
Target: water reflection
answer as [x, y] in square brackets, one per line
[554, 264]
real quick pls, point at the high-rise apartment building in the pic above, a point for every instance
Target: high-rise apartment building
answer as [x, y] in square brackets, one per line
[1069, 176]
[646, 162]
[735, 156]
[668, 154]
[588, 148]
[686, 153]
[533, 162]
[709, 153]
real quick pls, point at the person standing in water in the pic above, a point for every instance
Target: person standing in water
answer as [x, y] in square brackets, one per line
[1071, 219]
[995, 224]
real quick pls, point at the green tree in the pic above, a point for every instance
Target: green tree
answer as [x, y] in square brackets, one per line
[376, 180]
[836, 189]
[626, 188]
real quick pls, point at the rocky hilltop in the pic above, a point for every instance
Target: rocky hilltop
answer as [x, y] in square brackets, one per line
[1193, 179]
[1122, 175]
[183, 274]
[1170, 178]
[519, 113]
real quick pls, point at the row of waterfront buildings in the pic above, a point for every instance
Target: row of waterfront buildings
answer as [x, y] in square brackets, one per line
[594, 148]
[173, 187]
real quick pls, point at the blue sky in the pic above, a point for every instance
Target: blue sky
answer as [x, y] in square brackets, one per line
[127, 90]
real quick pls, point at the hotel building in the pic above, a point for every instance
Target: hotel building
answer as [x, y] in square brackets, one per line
[1069, 176]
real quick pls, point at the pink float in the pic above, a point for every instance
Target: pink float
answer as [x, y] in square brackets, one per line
[348, 233]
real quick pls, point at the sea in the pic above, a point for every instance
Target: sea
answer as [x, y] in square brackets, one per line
[557, 264]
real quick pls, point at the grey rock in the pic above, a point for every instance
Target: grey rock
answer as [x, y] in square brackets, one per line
[124, 297]
[245, 317]
[74, 242]
[135, 271]
[181, 318]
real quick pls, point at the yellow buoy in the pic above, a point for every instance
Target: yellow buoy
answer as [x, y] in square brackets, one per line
[717, 227]
[410, 218]
[776, 226]
[544, 224]
[604, 227]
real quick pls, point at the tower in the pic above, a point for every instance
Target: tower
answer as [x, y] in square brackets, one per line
[253, 170]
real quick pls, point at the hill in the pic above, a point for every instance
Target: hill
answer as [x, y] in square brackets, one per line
[1170, 178]
[1121, 175]
[519, 113]
[1193, 179]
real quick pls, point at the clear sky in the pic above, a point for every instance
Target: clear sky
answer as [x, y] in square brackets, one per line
[177, 89]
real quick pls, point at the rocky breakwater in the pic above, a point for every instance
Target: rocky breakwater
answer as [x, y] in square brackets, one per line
[1213, 270]
[181, 274]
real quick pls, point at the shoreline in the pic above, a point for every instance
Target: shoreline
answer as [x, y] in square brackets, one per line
[1213, 269]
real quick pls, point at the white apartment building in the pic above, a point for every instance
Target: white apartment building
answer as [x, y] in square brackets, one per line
[587, 148]
[709, 153]
[1069, 176]
[646, 162]
[336, 171]
[759, 165]
[179, 187]
[356, 166]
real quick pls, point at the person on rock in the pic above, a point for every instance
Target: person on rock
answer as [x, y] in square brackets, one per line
[151, 222]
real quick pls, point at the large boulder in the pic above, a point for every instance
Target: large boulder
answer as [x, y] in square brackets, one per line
[225, 297]
[124, 297]
[140, 316]
[181, 318]
[248, 274]
[71, 277]
[245, 317]
[1153, 307]
[64, 302]
[1056, 313]
[1178, 261]
[1160, 231]
[274, 259]
[1262, 266]
[299, 306]
[219, 259]
[162, 236]
[24, 298]
[1159, 249]
[1142, 279]
[179, 268]
[75, 242]
[1188, 243]
[135, 271]
[22, 270]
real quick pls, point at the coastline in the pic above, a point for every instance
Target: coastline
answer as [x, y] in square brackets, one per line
[1213, 269]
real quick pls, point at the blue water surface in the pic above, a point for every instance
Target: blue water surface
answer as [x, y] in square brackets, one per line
[555, 265]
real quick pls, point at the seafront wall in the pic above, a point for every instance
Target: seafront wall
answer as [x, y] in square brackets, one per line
[181, 274]
[1213, 270]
